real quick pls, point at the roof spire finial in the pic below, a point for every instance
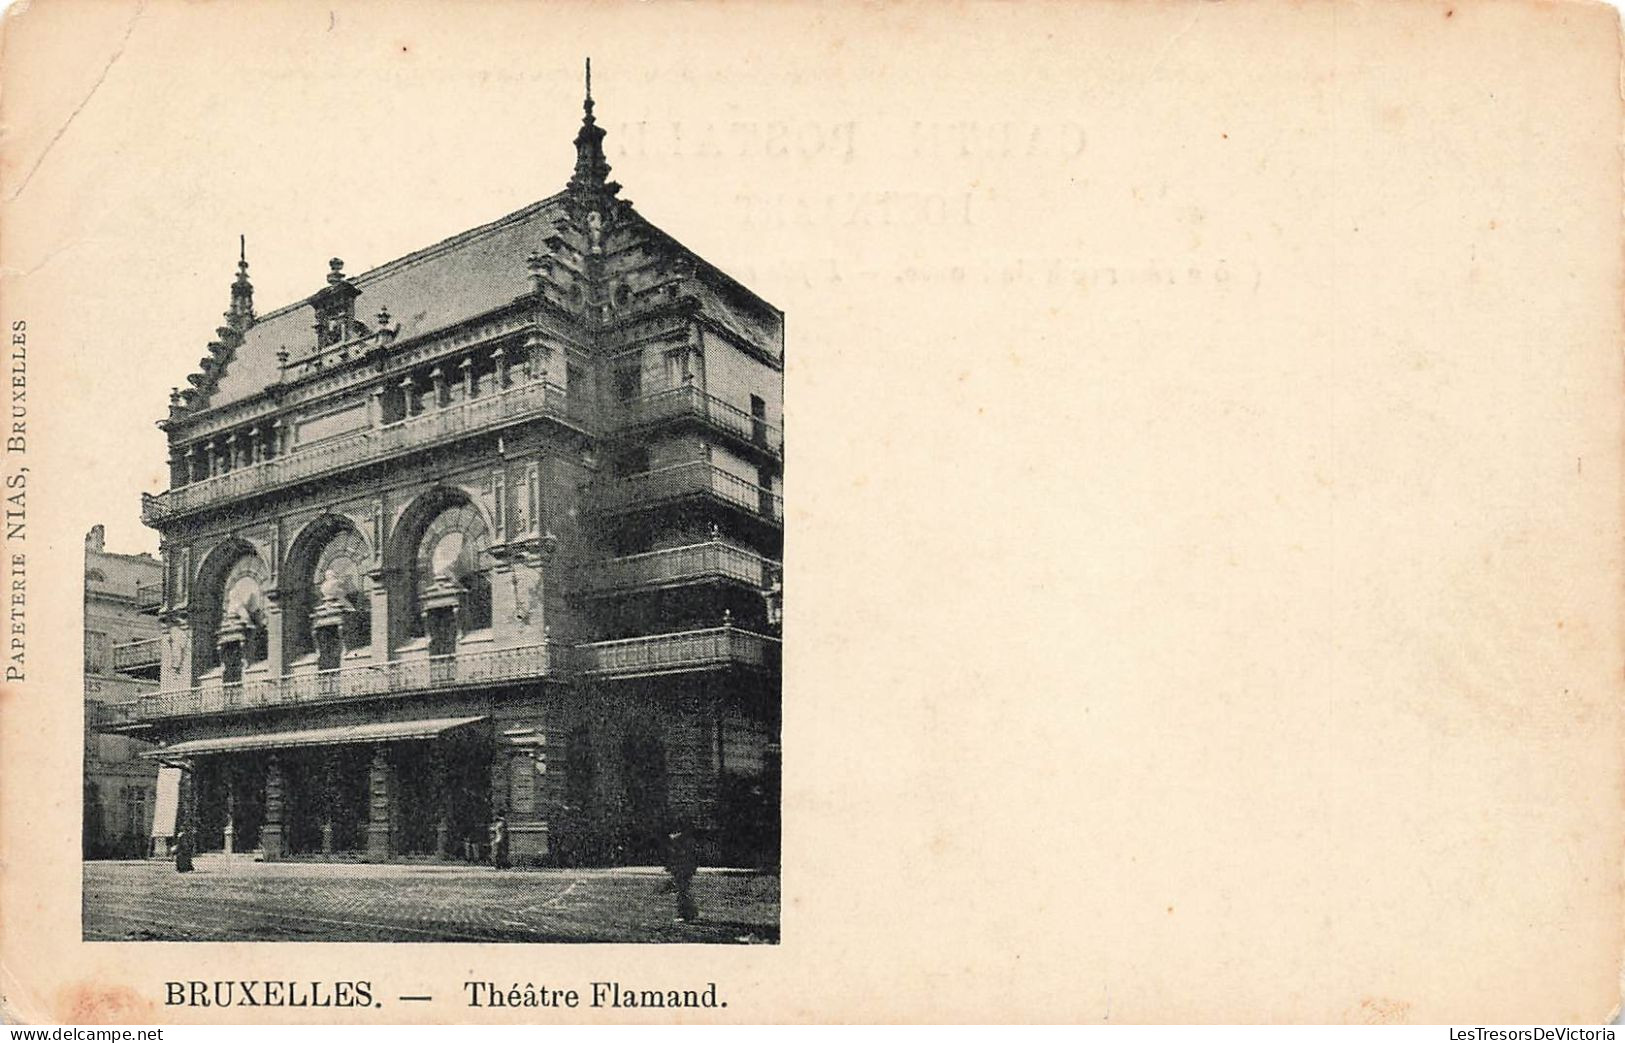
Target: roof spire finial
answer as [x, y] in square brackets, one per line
[241, 315]
[592, 169]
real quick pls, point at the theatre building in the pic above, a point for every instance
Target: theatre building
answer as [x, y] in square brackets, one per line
[489, 534]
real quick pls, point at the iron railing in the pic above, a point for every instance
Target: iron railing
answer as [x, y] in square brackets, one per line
[360, 680]
[436, 426]
[688, 400]
[709, 648]
[106, 716]
[149, 597]
[137, 655]
[700, 561]
[696, 478]
[670, 653]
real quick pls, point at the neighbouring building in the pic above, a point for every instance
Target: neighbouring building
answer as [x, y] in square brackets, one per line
[488, 535]
[122, 596]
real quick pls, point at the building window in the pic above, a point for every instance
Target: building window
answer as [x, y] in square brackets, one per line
[343, 609]
[630, 461]
[241, 638]
[135, 811]
[98, 649]
[453, 571]
[758, 419]
[628, 383]
[674, 368]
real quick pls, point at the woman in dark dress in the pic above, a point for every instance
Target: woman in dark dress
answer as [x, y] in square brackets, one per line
[183, 852]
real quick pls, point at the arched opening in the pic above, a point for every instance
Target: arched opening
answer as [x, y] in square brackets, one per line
[328, 607]
[229, 632]
[443, 577]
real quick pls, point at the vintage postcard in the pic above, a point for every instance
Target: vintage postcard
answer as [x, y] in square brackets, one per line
[701, 513]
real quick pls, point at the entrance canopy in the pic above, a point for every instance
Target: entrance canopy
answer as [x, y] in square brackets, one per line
[345, 735]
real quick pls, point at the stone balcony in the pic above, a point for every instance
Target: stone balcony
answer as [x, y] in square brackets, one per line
[690, 402]
[694, 480]
[149, 597]
[432, 428]
[676, 566]
[713, 648]
[138, 658]
[364, 680]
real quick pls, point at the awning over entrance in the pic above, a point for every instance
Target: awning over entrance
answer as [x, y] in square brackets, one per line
[383, 731]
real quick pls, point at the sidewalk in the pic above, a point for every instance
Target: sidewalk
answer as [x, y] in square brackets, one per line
[237, 899]
[216, 864]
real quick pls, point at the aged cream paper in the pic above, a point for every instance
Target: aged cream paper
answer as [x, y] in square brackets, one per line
[1203, 528]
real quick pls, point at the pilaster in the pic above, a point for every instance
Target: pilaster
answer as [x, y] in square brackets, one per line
[380, 806]
[274, 652]
[378, 596]
[272, 837]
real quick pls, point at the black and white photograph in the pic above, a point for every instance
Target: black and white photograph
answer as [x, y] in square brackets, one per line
[466, 624]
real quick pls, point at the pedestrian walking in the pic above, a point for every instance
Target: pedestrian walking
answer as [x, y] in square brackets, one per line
[183, 852]
[499, 842]
[682, 861]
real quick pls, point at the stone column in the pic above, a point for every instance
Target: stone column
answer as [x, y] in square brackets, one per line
[499, 794]
[467, 366]
[231, 816]
[186, 801]
[408, 395]
[442, 800]
[437, 377]
[499, 359]
[380, 807]
[272, 834]
[375, 407]
[329, 796]
[208, 454]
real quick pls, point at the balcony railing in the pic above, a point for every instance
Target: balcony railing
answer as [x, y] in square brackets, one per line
[689, 401]
[335, 454]
[670, 653]
[361, 680]
[105, 716]
[149, 597]
[711, 648]
[696, 478]
[694, 563]
[142, 655]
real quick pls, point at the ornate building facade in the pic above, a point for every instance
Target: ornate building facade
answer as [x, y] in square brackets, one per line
[490, 533]
[122, 638]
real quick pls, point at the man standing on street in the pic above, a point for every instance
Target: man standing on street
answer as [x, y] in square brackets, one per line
[682, 862]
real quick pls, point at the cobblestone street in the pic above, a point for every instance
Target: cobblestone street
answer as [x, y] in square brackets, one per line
[234, 900]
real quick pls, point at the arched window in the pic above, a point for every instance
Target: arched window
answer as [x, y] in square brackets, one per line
[242, 613]
[454, 555]
[338, 580]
